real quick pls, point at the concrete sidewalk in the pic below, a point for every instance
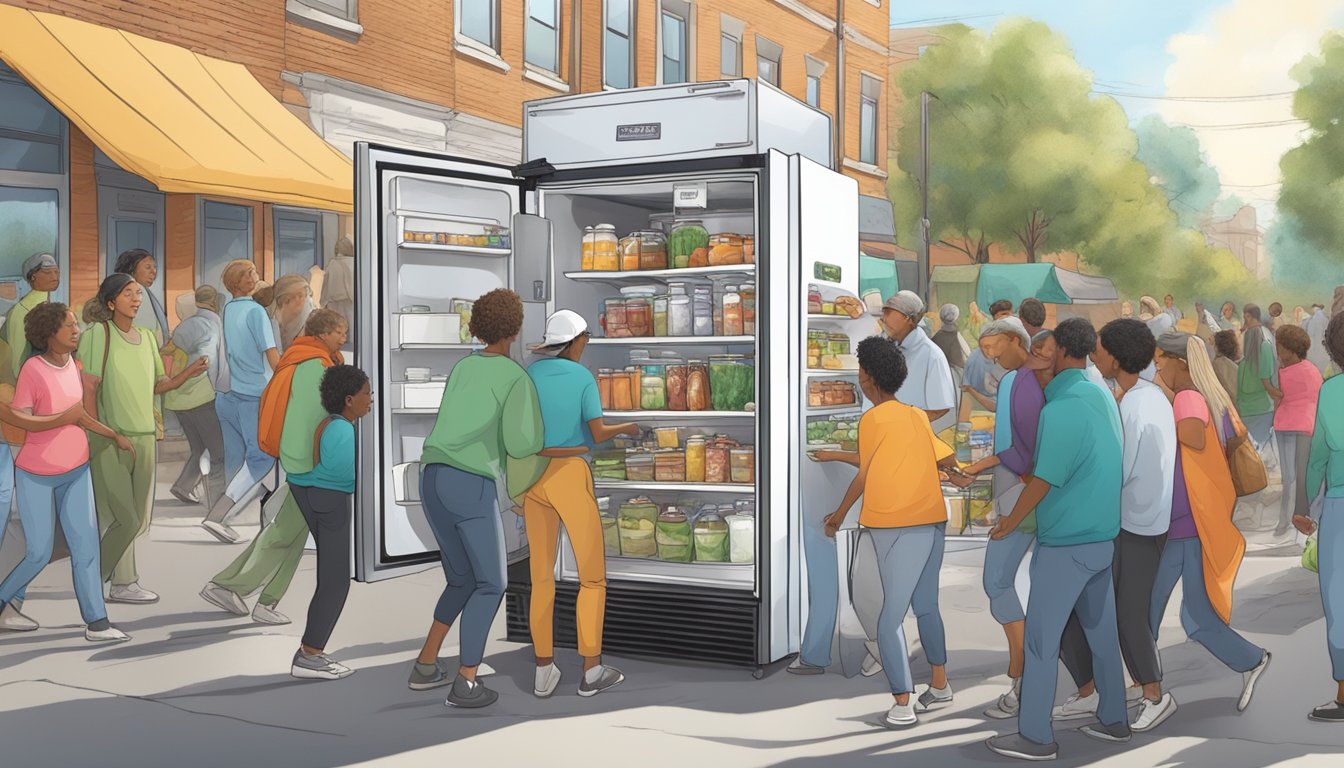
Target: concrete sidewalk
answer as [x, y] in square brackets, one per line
[200, 687]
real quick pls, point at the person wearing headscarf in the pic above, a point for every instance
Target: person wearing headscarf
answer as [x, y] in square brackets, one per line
[947, 337]
[1255, 376]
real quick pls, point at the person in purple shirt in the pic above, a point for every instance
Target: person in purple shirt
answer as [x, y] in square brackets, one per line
[1017, 416]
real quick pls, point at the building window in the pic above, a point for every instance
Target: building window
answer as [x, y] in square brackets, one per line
[870, 96]
[34, 189]
[298, 242]
[29, 223]
[815, 70]
[341, 9]
[226, 234]
[32, 132]
[676, 46]
[768, 56]
[618, 55]
[478, 20]
[730, 46]
[543, 34]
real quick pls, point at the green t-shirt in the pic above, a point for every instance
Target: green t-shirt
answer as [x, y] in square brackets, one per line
[1252, 398]
[126, 392]
[302, 416]
[15, 336]
[489, 412]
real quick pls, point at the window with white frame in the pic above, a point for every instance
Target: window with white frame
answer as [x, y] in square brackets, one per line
[542, 36]
[675, 41]
[479, 20]
[869, 99]
[618, 48]
[341, 9]
[768, 57]
[815, 71]
[730, 46]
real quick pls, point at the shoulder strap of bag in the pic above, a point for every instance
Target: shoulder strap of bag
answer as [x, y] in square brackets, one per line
[317, 441]
[107, 350]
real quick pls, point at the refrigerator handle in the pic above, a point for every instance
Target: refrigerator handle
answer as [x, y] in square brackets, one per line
[533, 252]
[725, 144]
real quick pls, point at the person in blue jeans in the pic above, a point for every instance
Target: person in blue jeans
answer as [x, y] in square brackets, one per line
[53, 471]
[489, 414]
[1325, 469]
[1075, 493]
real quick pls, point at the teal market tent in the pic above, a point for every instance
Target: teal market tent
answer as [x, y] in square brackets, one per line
[1016, 282]
[878, 275]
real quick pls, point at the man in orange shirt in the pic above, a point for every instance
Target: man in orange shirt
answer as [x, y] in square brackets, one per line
[902, 505]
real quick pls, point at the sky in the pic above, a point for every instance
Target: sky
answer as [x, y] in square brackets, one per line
[1177, 49]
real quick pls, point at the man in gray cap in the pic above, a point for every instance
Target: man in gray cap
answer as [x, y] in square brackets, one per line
[928, 386]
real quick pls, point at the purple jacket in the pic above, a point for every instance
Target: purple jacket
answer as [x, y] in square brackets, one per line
[1027, 399]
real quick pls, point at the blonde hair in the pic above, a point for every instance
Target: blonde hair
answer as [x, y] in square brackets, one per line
[288, 286]
[1206, 381]
[234, 272]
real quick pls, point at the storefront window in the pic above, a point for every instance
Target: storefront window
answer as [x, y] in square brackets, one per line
[226, 234]
[31, 130]
[29, 223]
[298, 242]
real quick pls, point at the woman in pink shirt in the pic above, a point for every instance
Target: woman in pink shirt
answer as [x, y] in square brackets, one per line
[1294, 418]
[52, 471]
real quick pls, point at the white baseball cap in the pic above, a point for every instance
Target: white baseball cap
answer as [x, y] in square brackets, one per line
[561, 328]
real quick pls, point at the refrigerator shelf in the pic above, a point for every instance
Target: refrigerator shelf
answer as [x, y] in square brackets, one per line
[465, 250]
[854, 407]
[679, 415]
[463, 347]
[415, 411]
[838, 318]
[625, 485]
[642, 341]
[723, 271]
[832, 371]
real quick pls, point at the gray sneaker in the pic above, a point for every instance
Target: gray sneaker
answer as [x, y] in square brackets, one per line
[319, 667]
[1117, 733]
[610, 677]
[1249, 681]
[1018, 746]
[800, 667]
[468, 695]
[421, 681]
[933, 698]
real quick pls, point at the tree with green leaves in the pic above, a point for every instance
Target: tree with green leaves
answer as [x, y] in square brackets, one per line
[1313, 172]
[1176, 163]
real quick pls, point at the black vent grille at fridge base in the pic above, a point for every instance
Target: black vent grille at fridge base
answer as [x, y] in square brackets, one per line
[651, 622]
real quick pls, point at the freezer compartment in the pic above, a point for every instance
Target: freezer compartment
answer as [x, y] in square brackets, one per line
[675, 122]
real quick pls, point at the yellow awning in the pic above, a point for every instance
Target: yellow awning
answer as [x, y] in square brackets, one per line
[187, 122]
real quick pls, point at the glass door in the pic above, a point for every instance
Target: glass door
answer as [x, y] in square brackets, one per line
[134, 219]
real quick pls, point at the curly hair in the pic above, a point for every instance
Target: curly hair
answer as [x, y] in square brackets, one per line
[1334, 340]
[496, 316]
[1130, 342]
[43, 322]
[1293, 339]
[338, 383]
[1032, 312]
[1077, 336]
[883, 362]
[1226, 344]
[323, 321]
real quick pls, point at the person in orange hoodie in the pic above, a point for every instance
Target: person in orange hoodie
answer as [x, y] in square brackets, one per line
[1204, 549]
[291, 409]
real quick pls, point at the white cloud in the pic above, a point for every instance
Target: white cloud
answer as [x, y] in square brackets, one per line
[1246, 47]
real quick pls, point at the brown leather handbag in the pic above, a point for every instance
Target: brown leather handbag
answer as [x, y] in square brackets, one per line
[1248, 470]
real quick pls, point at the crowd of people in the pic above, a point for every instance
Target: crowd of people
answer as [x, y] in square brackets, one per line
[1110, 465]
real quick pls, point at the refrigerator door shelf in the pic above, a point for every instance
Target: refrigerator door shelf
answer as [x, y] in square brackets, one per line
[417, 396]
[619, 485]
[460, 347]
[680, 416]
[406, 482]
[643, 341]
[466, 250]
[724, 272]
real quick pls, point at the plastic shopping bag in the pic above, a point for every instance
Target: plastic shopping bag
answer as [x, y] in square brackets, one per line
[1309, 554]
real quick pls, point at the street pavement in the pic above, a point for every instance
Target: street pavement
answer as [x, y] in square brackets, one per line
[198, 687]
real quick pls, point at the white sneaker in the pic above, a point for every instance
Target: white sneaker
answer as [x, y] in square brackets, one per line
[109, 635]
[901, 715]
[266, 614]
[484, 670]
[932, 698]
[224, 533]
[131, 593]
[1006, 707]
[13, 621]
[871, 666]
[1154, 713]
[1076, 708]
[224, 599]
[547, 679]
[320, 667]
[1249, 681]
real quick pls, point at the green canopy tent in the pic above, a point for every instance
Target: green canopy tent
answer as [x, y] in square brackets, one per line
[1016, 282]
[876, 274]
[955, 285]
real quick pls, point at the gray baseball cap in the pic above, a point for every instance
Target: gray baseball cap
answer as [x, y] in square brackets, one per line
[37, 261]
[907, 303]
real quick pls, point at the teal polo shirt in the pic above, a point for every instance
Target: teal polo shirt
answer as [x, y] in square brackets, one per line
[567, 393]
[1079, 452]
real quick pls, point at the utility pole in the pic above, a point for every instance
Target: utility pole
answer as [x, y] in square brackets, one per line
[923, 283]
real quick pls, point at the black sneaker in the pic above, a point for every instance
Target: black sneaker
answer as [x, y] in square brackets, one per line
[610, 677]
[1332, 712]
[1018, 746]
[1116, 734]
[468, 695]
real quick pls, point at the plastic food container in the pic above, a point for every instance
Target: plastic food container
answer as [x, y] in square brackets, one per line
[716, 462]
[742, 464]
[606, 247]
[688, 245]
[617, 326]
[637, 520]
[653, 388]
[732, 382]
[639, 467]
[695, 459]
[742, 534]
[697, 386]
[644, 249]
[725, 249]
[673, 536]
[586, 250]
[669, 467]
[667, 437]
[711, 538]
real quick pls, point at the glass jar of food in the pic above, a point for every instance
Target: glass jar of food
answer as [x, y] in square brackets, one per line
[617, 326]
[678, 376]
[748, 293]
[679, 321]
[725, 249]
[653, 388]
[748, 250]
[669, 466]
[711, 538]
[660, 319]
[716, 462]
[688, 245]
[816, 347]
[586, 250]
[673, 535]
[639, 467]
[719, 290]
[695, 459]
[837, 344]
[813, 300]
[637, 519]
[604, 388]
[606, 248]
[629, 250]
[622, 395]
[732, 312]
[697, 386]
[702, 311]
[732, 382]
[651, 248]
[742, 465]
[639, 315]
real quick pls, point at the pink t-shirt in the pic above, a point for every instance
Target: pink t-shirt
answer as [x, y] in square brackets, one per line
[47, 390]
[1301, 384]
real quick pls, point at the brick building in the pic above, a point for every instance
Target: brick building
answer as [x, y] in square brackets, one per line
[447, 77]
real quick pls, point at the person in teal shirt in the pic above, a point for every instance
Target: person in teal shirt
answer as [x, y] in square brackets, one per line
[1255, 377]
[323, 494]
[1075, 492]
